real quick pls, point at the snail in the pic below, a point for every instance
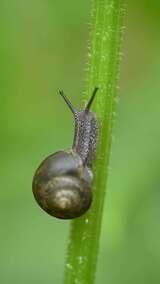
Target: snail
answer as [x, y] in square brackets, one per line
[62, 184]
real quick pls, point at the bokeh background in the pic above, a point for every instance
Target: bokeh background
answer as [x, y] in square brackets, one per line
[43, 48]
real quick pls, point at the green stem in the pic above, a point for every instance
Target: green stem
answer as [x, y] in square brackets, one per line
[104, 57]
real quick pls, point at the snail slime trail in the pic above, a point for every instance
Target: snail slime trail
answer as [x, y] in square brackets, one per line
[62, 184]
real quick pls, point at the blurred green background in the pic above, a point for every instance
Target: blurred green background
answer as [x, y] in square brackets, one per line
[43, 49]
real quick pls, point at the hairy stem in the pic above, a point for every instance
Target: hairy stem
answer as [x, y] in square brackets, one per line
[103, 66]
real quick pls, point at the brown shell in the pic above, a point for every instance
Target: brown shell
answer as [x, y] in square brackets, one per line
[62, 185]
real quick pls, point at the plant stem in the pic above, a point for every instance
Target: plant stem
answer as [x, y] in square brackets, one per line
[104, 57]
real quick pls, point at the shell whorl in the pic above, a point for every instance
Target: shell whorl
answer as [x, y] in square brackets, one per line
[62, 185]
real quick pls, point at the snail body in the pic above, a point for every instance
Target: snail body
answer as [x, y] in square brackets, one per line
[62, 184]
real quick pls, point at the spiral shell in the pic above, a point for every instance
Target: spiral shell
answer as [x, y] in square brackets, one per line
[62, 185]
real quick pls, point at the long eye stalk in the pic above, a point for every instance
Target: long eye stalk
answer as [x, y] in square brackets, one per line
[67, 101]
[73, 110]
[91, 100]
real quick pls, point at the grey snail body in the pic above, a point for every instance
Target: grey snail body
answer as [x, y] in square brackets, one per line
[62, 184]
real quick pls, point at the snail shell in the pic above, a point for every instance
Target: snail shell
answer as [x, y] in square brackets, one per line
[62, 185]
